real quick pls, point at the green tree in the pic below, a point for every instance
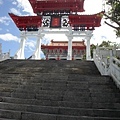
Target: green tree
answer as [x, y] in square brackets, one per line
[114, 15]
[92, 47]
[105, 44]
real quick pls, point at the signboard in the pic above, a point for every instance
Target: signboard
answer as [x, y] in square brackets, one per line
[55, 22]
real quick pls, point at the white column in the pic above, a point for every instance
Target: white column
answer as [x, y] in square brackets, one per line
[20, 53]
[36, 54]
[69, 55]
[114, 50]
[88, 52]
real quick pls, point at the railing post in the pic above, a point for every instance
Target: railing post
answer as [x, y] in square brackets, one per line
[114, 50]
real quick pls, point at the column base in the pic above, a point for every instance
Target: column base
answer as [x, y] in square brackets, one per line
[69, 57]
[89, 58]
[34, 57]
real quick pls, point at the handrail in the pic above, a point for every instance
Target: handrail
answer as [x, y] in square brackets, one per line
[108, 64]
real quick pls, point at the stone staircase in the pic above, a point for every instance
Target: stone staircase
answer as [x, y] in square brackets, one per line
[56, 90]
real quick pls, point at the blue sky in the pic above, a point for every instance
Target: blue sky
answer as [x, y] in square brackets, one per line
[10, 35]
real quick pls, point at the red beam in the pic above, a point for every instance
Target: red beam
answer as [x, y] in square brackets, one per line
[62, 47]
[26, 21]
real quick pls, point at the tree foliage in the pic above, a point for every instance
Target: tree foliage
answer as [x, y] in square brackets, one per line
[114, 15]
[105, 44]
[92, 47]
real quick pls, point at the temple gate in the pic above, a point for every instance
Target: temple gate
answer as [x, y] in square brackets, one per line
[58, 17]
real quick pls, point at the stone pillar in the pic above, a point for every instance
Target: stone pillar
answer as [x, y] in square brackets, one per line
[97, 49]
[36, 54]
[88, 52]
[69, 54]
[114, 50]
[20, 53]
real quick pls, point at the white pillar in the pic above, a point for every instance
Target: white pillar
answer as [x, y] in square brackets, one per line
[20, 53]
[36, 54]
[88, 52]
[69, 55]
[114, 50]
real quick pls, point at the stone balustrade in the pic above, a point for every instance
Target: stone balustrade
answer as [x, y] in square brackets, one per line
[107, 61]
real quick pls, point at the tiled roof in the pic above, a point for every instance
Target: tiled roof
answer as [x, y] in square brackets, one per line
[65, 43]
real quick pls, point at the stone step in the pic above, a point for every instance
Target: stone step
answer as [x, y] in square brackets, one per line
[6, 119]
[56, 93]
[38, 68]
[61, 110]
[9, 85]
[60, 63]
[67, 93]
[58, 83]
[71, 89]
[36, 116]
[7, 89]
[68, 64]
[49, 97]
[101, 90]
[10, 114]
[51, 89]
[62, 97]
[72, 94]
[89, 78]
[74, 67]
[73, 104]
[46, 102]
[65, 97]
[53, 86]
[96, 114]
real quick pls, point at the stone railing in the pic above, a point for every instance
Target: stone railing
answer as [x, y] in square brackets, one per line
[52, 56]
[4, 56]
[107, 62]
[115, 70]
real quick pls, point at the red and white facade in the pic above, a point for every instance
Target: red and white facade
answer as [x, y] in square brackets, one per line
[58, 50]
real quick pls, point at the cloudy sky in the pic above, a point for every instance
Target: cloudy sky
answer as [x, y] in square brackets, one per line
[10, 35]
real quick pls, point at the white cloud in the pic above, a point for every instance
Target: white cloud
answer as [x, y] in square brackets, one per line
[14, 3]
[30, 45]
[26, 7]
[9, 37]
[5, 20]
[104, 32]
[1, 2]
[94, 6]
[15, 11]
[45, 40]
